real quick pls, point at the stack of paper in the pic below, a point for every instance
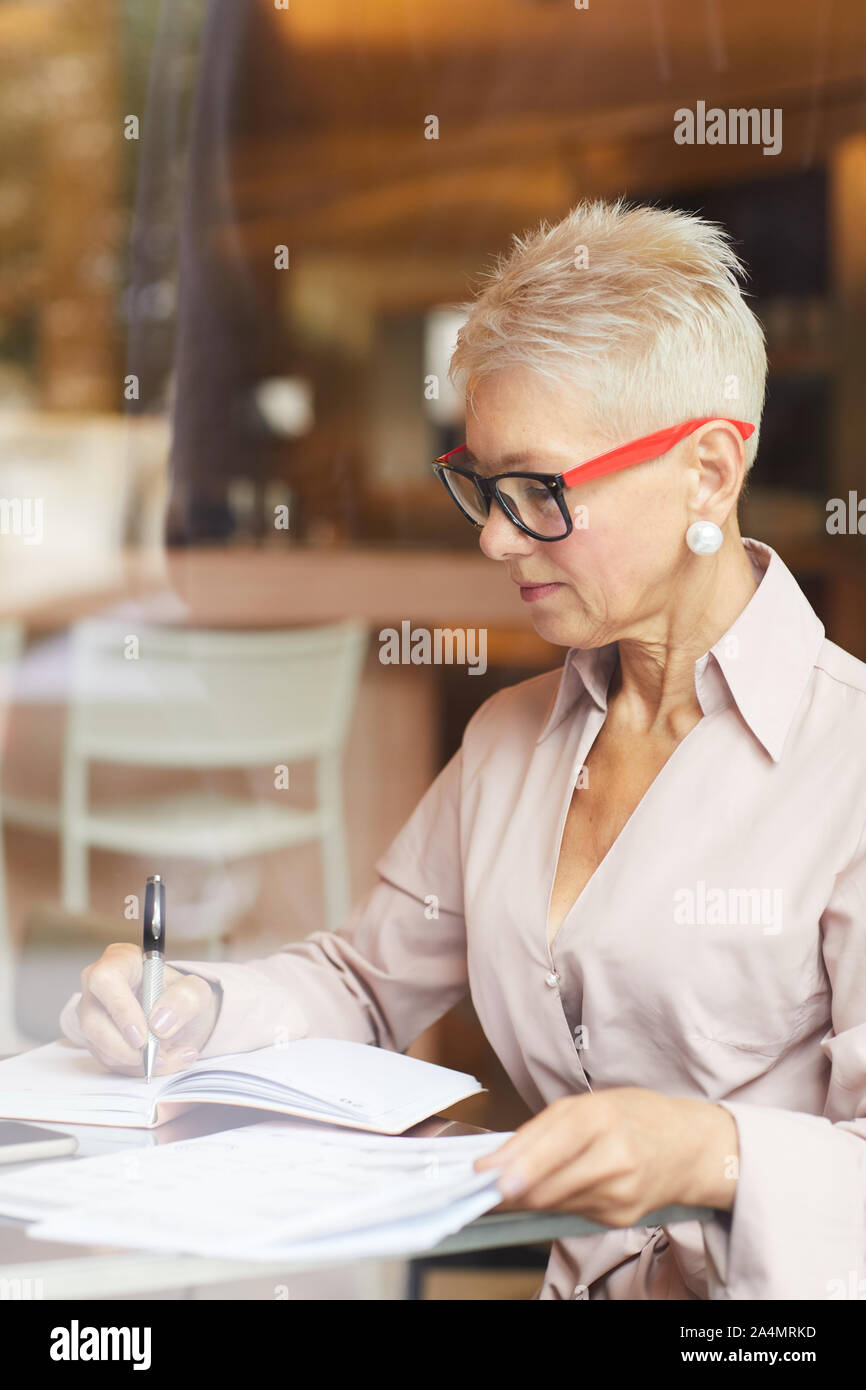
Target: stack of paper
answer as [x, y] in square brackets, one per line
[284, 1189]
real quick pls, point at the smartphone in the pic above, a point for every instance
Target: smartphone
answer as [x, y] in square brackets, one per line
[21, 1142]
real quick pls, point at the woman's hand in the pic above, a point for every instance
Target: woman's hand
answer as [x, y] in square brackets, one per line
[112, 1022]
[614, 1155]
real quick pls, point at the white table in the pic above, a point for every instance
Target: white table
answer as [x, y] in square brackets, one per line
[84, 1272]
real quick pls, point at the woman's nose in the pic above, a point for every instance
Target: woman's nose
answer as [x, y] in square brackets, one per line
[499, 537]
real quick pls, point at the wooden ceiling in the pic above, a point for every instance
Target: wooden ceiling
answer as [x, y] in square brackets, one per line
[538, 104]
[506, 56]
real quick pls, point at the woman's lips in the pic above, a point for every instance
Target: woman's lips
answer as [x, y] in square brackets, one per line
[530, 593]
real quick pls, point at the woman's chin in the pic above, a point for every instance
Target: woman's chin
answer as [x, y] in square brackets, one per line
[559, 630]
[553, 627]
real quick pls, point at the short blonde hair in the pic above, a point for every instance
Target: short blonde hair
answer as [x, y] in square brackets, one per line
[639, 305]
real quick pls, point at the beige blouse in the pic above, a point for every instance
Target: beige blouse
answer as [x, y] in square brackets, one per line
[718, 951]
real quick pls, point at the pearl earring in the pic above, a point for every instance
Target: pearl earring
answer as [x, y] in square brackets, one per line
[704, 537]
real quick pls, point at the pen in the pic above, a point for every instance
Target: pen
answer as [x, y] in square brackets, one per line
[153, 949]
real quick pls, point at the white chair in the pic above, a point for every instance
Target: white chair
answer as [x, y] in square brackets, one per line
[178, 698]
[10, 646]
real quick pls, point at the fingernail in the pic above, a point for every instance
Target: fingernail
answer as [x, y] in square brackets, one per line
[133, 1035]
[512, 1184]
[189, 1054]
[162, 1021]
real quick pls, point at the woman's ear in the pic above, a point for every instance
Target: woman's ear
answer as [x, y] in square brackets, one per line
[719, 472]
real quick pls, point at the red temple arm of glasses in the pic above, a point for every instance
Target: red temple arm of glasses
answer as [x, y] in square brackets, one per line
[650, 446]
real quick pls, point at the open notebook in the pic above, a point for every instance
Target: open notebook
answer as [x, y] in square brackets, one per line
[344, 1083]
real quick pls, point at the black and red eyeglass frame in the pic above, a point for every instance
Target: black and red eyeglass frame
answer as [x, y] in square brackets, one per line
[649, 446]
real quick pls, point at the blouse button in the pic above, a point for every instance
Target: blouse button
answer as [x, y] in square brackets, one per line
[552, 979]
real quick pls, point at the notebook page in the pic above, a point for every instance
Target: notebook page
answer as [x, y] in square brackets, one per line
[352, 1082]
[346, 1080]
[66, 1084]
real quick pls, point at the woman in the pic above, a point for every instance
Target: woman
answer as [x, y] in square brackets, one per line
[649, 866]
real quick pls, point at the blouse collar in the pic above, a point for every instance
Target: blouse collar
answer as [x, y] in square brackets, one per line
[762, 663]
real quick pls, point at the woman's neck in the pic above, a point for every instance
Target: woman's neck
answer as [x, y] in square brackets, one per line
[652, 689]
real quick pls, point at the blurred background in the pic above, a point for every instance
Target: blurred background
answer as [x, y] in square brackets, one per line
[234, 249]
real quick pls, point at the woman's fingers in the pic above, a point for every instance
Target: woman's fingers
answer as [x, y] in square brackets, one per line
[113, 1024]
[522, 1139]
[549, 1143]
[112, 982]
[103, 1037]
[110, 1049]
[184, 1012]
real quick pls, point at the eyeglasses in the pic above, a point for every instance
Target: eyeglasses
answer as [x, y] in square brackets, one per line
[534, 502]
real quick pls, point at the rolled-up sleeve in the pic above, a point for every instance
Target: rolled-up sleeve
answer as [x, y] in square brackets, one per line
[395, 966]
[798, 1225]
